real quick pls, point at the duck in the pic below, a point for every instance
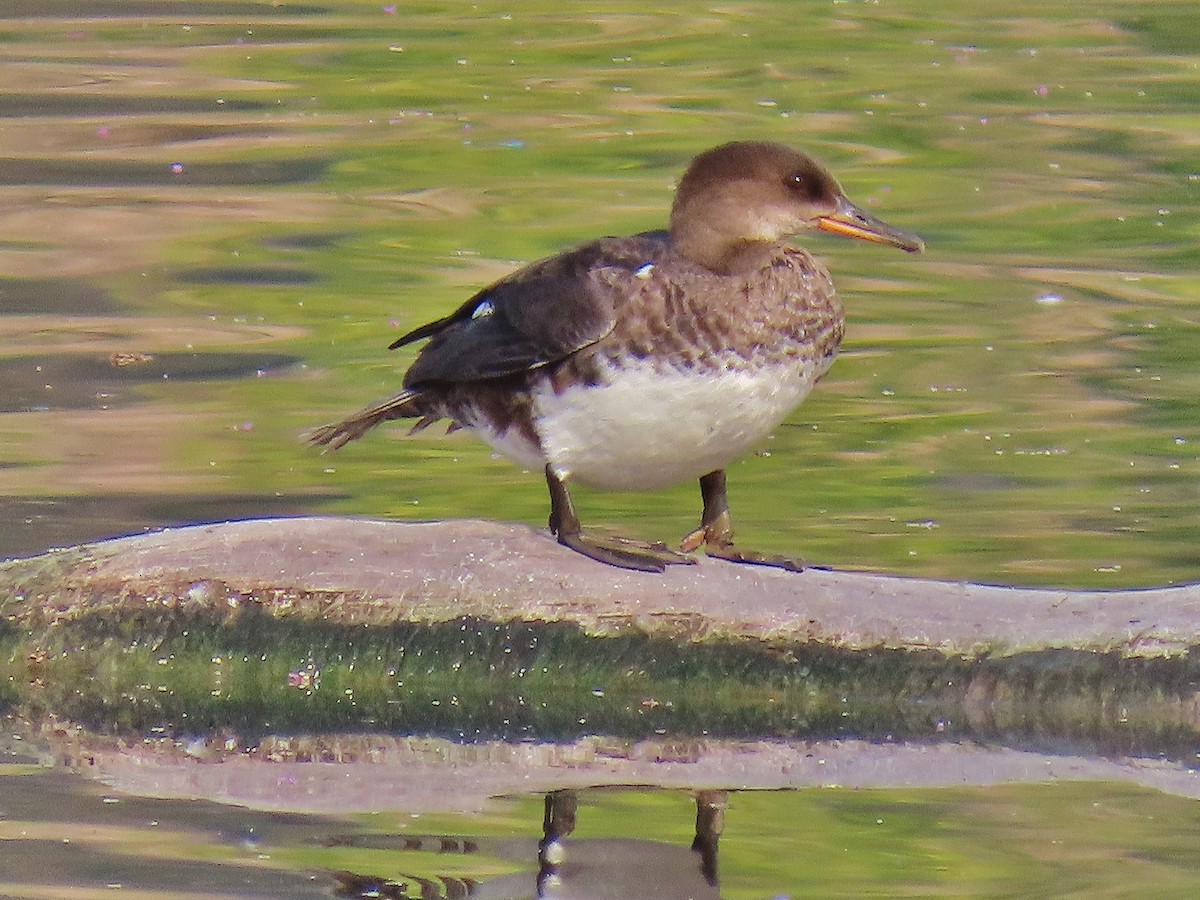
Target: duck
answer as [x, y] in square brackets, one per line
[639, 362]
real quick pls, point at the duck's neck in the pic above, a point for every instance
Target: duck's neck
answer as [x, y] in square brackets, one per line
[712, 249]
[717, 232]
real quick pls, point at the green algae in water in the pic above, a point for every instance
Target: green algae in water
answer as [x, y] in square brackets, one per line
[469, 678]
[475, 679]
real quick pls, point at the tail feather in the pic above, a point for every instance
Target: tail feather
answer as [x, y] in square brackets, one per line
[337, 435]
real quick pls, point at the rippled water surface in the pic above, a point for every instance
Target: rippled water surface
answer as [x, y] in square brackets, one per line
[216, 215]
[260, 196]
[65, 837]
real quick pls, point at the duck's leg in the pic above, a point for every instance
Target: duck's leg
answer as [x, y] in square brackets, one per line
[710, 822]
[716, 530]
[614, 551]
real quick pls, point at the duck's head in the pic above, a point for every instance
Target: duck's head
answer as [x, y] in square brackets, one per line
[739, 196]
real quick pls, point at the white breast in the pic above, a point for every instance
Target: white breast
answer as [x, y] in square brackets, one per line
[648, 428]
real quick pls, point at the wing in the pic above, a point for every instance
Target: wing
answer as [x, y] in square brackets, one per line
[536, 316]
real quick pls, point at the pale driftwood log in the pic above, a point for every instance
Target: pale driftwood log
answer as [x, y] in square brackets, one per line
[351, 570]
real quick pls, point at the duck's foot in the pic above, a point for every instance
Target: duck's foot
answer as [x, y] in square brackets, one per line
[624, 553]
[715, 533]
[753, 557]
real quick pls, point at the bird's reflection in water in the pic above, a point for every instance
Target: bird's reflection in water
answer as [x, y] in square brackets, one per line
[624, 867]
[568, 869]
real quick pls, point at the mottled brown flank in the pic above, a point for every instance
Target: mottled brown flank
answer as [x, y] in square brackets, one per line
[689, 319]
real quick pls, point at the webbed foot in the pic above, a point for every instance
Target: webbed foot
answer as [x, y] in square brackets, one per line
[642, 556]
[624, 553]
[715, 533]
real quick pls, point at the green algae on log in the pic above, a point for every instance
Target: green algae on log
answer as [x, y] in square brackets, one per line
[482, 631]
[368, 572]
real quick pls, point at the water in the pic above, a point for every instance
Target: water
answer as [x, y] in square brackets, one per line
[308, 181]
[463, 831]
[217, 215]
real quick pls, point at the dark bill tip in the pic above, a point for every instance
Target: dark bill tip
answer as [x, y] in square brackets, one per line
[850, 221]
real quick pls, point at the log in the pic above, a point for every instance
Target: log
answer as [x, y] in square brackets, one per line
[362, 572]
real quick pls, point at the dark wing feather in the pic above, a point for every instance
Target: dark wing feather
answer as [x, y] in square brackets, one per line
[538, 315]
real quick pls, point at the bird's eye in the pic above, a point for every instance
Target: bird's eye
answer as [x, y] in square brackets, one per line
[796, 181]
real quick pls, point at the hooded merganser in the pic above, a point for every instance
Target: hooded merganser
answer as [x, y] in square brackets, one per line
[638, 362]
